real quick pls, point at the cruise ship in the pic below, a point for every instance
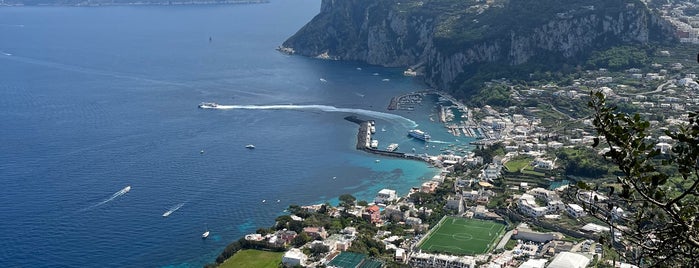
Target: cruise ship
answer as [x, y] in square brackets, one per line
[208, 105]
[419, 134]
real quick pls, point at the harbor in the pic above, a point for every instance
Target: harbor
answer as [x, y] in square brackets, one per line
[446, 113]
[364, 141]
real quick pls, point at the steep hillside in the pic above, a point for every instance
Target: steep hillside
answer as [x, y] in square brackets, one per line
[448, 39]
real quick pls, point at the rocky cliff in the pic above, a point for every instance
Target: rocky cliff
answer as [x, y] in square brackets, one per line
[445, 38]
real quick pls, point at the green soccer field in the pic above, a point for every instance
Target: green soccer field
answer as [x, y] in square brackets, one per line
[462, 236]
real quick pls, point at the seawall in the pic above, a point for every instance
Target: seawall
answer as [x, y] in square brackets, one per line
[364, 138]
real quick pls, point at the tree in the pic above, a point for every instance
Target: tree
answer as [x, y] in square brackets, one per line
[263, 231]
[658, 191]
[300, 240]
[347, 200]
[296, 226]
[282, 222]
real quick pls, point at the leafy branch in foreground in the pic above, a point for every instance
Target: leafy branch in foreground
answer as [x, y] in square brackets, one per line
[658, 191]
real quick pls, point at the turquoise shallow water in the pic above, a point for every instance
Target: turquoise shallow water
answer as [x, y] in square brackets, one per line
[93, 100]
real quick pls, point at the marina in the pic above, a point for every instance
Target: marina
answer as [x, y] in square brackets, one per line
[364, 142]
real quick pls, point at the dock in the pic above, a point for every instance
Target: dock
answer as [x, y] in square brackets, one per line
[364, 141]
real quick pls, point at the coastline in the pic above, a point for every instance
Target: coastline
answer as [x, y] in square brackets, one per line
[364, 137]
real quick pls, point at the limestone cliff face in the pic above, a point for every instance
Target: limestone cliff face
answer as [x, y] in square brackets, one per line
[443, 42]
[368, 31]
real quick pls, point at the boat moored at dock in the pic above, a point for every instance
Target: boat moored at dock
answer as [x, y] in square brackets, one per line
[392, 147]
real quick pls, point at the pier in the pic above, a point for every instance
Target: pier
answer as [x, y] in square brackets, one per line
[364, 141]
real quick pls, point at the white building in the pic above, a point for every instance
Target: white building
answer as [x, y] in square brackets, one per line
[294, 257]
[594, 228]
[528, 206]
[456, 203]
[438, 260]
[575, 210]
[534, 263]
[400, 255]
[384, 196]
[569, 260]
[555, 145]
[492, 172]
[471, 195]
[544, 164]
[663, 147]
[591, 197]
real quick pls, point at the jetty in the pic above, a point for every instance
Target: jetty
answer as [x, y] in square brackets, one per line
[364, 141]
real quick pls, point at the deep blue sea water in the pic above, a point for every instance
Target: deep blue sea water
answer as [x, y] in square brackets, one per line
[95, 99]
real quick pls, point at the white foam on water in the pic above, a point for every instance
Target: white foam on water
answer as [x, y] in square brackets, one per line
[324, 108]
[114, 196]
[173, 209]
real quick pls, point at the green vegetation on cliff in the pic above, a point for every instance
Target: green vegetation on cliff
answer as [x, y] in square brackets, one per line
[458, 44]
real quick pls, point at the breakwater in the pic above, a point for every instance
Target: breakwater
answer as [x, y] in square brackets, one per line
[364, 141]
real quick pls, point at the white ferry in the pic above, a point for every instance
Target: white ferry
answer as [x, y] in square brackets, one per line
[419, 134]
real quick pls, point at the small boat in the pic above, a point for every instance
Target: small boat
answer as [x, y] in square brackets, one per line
[205, 234]
[392, 147]
[201, 152]
[323, 80]
[126, 189]
[250, 146]
[377, 160]
[173, 209]
[208, 105]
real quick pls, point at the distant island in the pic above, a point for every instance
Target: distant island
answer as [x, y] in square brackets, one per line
[124, 2]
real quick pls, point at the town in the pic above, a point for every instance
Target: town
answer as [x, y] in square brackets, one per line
[514, 201]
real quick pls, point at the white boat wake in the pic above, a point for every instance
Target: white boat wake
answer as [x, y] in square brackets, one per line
[173, 209]
[325, 108]
[114, 196]
[440, 142]
[85, 70]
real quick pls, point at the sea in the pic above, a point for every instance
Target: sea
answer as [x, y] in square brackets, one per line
[101, 136]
